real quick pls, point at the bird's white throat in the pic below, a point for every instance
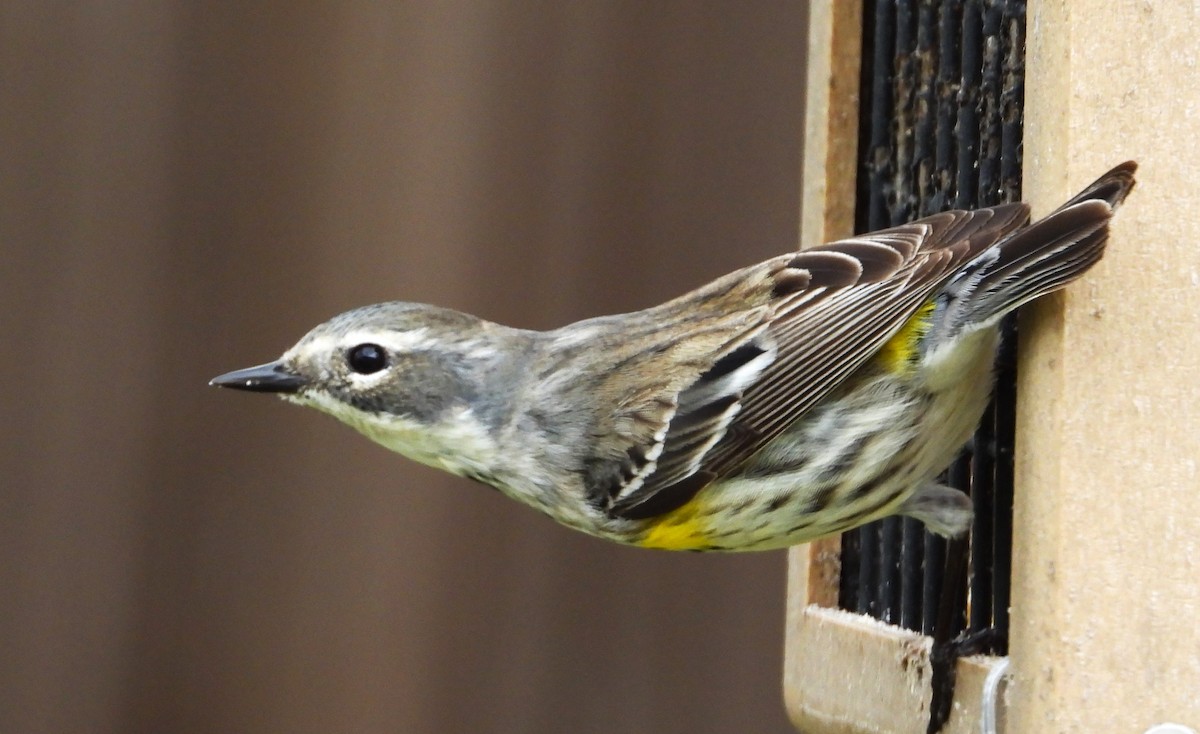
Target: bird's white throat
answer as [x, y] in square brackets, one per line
[457, 443]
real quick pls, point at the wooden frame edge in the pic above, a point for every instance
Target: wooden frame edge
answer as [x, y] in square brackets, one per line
[830, 652]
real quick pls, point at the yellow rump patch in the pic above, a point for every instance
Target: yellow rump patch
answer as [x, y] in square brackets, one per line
[679, 529]
[900, 352]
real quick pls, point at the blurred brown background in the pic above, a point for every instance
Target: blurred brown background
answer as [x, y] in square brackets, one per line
[186, 188]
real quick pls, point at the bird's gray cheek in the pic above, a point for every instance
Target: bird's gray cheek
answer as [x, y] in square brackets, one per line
[423, 388]
[379, 401]
[422, 400]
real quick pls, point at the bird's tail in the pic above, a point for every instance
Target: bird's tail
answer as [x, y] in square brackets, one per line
[1032, 261]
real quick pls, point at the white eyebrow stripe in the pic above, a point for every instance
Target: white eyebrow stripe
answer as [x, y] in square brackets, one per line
[393, 341]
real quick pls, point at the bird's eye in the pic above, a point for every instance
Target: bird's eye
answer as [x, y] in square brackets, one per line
[366, 359]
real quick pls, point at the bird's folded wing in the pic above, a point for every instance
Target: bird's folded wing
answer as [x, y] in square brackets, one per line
[831, 309]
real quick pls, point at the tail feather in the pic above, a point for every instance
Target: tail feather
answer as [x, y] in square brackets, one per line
[1033, 261]
[1112, 187]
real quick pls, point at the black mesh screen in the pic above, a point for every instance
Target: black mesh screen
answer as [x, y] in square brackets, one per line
[942, 96]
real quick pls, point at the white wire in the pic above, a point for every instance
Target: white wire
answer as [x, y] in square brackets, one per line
[989, 704]
[989, 701]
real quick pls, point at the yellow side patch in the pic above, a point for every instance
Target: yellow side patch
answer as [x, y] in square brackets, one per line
[900, 352]
[679, 529]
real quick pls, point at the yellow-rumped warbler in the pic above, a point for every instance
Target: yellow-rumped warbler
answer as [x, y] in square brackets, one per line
[789, 400]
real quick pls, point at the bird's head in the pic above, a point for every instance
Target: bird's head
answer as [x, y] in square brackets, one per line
[417, 379]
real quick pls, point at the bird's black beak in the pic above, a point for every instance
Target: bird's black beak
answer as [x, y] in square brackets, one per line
[269, 377]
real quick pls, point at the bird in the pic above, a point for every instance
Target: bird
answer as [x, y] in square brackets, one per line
[787, 401]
